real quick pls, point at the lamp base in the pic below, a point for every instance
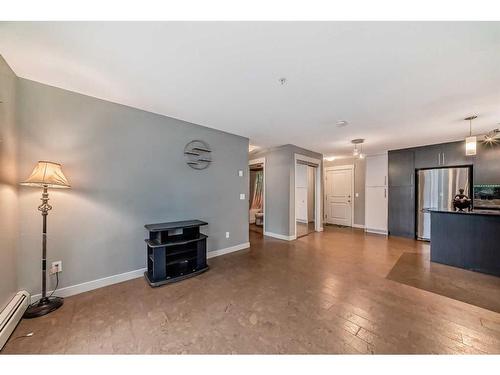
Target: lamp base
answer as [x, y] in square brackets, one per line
[43, 307]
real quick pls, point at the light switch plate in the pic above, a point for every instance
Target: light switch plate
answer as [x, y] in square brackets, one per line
[240, 173]
[242, 196]
[357, 195]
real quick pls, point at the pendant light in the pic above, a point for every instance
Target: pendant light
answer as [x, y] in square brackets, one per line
[358, 152]
[470, 141]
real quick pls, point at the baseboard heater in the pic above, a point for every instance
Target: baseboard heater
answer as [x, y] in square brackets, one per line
[12, 314]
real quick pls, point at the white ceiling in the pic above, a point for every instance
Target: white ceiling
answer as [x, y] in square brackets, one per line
[398, 84]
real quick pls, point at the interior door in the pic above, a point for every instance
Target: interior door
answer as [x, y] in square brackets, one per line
[376, 209]
[338, 196]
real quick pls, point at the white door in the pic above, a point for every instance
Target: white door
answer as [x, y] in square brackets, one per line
[376, 209]
[338, 196]
[376, 170]
[301, 193]
[376, 194]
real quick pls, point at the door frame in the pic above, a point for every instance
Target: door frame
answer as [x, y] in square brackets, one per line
[337, 168]
[316, 163]
[263, 162]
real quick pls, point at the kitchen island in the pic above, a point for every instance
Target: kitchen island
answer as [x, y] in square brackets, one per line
[469, 240]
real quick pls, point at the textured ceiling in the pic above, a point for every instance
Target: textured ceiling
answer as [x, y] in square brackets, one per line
[398, 84]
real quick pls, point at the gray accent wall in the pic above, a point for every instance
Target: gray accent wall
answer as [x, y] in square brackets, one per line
[127, 169]
[280, 186]
[359, 185]
[8, 185]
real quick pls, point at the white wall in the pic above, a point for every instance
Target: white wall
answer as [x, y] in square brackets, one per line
[8, 185]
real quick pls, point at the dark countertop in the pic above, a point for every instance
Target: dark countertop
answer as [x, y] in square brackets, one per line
[174, 225]
[476, 212]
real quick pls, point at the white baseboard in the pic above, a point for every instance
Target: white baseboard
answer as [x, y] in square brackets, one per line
[227, 250]
[115, 279]
[12, 314]
[280, 236]
[376, 231]
[94, 284]
[358, 226]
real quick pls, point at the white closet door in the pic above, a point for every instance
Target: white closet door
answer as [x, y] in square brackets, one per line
[301, 193]
[376, 209]
[376, 170]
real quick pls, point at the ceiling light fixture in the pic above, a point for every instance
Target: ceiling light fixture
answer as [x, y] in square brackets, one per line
[470, 141]
[282, 81]
[358, 152]
[490, 137]
[329, 158]
[341, 123]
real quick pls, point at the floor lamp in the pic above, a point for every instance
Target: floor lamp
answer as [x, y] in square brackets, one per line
[45, 175]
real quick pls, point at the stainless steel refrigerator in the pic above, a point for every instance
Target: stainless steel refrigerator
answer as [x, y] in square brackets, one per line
[436, 190]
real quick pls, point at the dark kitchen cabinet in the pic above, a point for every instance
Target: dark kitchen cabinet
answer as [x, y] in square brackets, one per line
[428, 156]
[453, 154]
[441, 155]
[401, 168]
[402, 211]
[486, 163]
[401, 221]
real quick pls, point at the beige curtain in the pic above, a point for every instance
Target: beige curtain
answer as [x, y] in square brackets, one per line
[257, 191]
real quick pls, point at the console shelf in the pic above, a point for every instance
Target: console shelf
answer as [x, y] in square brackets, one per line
[175, 251]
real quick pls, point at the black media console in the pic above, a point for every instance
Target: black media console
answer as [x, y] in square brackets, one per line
[175, 251]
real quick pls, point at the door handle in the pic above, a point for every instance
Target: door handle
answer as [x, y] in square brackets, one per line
[443, 159]
[385, 193]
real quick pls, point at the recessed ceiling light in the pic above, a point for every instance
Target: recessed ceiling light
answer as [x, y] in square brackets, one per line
[341, 123]
[329, 158]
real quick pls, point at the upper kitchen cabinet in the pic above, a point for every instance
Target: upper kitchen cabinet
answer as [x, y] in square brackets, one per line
[441, 155]
[486, 163]
[376, 170]
[401, 167]
[428, 156]
[453, 154]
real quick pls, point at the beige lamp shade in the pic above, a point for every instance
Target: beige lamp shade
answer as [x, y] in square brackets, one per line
[47, 174]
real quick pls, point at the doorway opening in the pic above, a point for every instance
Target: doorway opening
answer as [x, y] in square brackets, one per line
[307, 196]
[339, 192]
[256, 197]
[304, 199]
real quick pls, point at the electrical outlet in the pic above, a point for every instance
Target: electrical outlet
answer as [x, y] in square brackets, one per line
[227, 234]
[56, 267]
[242, 196]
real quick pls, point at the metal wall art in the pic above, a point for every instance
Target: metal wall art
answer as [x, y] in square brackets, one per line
[198, 154]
